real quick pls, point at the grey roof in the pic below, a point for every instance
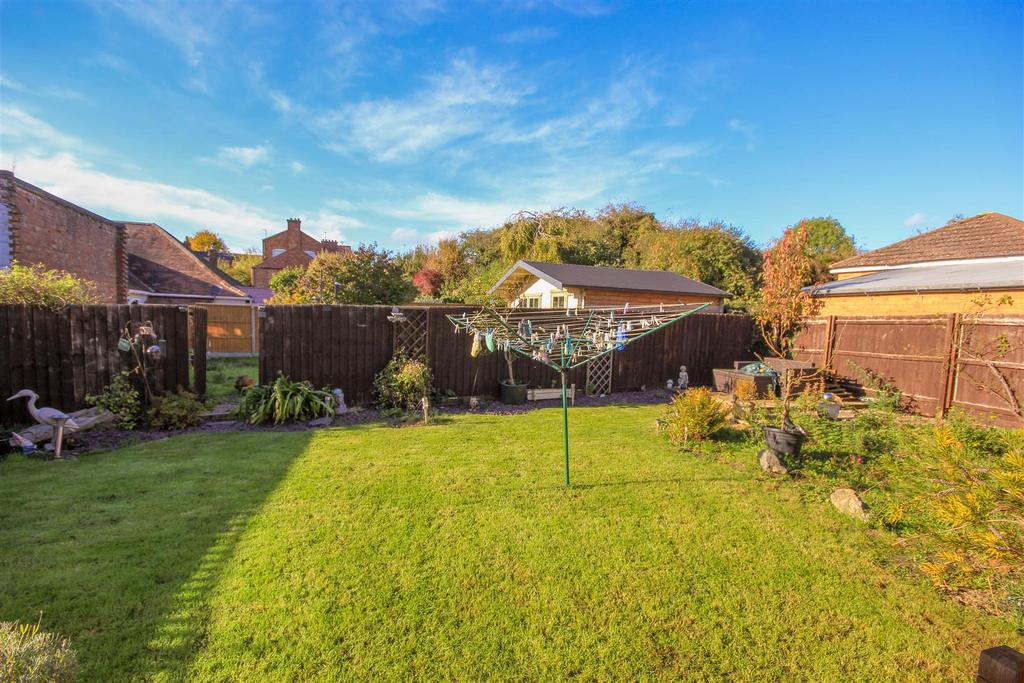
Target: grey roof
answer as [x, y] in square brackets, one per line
[598, 277]
[967, 277]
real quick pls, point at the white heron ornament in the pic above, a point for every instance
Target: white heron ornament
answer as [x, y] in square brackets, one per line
[48, 416]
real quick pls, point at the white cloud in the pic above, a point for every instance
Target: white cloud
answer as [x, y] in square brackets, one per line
[460, 213]
[747, 130]
[404, 235]
[24, 128]
[281, 102]
[297, 166]
[192, 28]
[54, 91]
[915, 220]
[241, 157]
[116, 197]
[327, 224]
[455, 104]
[629, 95]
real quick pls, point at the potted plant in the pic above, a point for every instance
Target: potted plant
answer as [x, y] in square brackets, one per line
[512, 391]
[783, 307]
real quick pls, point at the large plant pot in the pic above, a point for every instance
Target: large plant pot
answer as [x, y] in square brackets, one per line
[784, 441]
[513, 393]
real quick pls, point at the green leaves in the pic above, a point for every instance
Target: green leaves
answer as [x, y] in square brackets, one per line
[284, 401]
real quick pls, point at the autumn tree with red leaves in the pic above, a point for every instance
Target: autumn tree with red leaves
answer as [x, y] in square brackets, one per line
[783, 303]
[427, 281]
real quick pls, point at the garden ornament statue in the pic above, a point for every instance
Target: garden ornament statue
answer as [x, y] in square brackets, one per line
[565, 339]
[684, 379]
[47, 416]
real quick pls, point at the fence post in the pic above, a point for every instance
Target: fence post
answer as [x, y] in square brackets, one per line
[830, 339]
[252, 327]
[949, 369]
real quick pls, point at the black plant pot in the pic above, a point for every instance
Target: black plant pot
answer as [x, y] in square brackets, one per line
[513, 393]
[784, 441]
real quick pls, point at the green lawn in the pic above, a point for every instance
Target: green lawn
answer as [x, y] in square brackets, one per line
[221, 374]
[453, 551]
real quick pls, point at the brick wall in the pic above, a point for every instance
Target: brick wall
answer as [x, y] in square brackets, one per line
[47, 230]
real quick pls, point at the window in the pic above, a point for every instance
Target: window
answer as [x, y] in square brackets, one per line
[310, 254]
[276, 252]
[531, 301]
[559, 301]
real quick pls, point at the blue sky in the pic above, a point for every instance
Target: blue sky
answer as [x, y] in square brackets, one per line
[405, 121]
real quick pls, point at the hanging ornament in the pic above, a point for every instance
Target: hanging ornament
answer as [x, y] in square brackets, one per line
[478, 345]
[489, 340]
[620, 338]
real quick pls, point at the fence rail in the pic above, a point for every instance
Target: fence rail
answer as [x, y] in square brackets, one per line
[346, 346]
[937, 362]
[65, 355]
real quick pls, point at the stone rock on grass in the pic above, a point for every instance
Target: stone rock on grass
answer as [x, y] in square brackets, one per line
[770, 462]
[849, 503]
[321, 421]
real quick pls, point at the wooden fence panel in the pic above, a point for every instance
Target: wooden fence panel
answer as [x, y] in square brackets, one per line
[346, 346]
[65, 355]
[230, 329]
[935, 361]
[990, 367]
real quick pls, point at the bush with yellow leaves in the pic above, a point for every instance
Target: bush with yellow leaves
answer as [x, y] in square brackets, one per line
[976, 510]
[694, 415]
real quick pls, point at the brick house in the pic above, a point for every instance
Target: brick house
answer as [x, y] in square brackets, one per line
[162, 270]
[289, 248]
[37, 227]
[947, 270]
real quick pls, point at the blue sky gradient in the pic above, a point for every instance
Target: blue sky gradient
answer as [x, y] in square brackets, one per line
[403, 122]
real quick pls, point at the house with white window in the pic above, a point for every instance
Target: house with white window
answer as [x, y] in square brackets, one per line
[289, 248]
[535, 284]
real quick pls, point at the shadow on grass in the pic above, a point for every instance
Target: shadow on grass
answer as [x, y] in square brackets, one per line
[120, 551]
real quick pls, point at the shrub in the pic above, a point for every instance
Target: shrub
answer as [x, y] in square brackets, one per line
[402, 383]
[175, 411]
[37, 286]
[977, 512]
[694, 415]
[28, 655]
[283, 401]
[120, 398]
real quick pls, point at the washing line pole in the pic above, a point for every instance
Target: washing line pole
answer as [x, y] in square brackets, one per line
[565, 425]
[490, 321]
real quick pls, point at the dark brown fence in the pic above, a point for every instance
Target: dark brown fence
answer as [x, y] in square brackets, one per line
[345, 346]
[63, 356]
[974, 362]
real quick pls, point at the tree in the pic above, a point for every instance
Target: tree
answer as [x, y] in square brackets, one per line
[205, 240]
[369, 276]
[240, 267]
[35, 285]
[717, 254]
[827, 242]
[285, 284]
[784, 303]
[427, 281]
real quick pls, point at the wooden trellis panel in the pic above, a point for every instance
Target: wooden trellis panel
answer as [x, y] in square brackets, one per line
[599, 375]
[411, 336]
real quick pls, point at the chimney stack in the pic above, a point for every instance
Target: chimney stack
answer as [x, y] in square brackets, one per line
[294, 224]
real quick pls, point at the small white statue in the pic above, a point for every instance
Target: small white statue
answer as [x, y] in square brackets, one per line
[684, 378]
[339, 397]
[48, 416]
[668, 384]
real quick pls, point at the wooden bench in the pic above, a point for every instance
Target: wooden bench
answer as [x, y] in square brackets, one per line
[548, 394]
